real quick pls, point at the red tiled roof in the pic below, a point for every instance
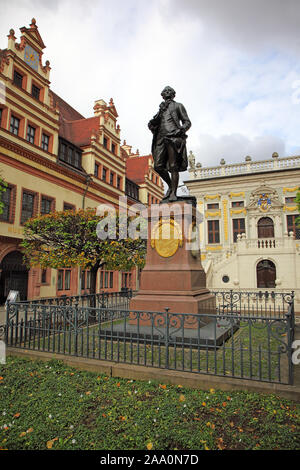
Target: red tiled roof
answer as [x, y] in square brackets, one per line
[67, 112]
[72, 125]
[137, 167]
[80, 132]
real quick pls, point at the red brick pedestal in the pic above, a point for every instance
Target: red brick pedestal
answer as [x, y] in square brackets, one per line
[173, 276]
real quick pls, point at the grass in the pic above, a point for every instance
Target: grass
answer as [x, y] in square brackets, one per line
[48, 405]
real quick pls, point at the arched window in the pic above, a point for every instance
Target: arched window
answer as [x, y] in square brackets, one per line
[265, 228]
[266, 274]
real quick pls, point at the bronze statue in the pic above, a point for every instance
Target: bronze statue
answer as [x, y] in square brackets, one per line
[169, 128]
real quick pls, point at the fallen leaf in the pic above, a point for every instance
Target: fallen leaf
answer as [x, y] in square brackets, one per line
[51, 442]
[149, 445]
[29, 430]
[182, 398]
[16, 415]
[23, 434]
[163, 386]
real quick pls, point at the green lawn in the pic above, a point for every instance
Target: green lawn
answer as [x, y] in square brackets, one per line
[52, 406]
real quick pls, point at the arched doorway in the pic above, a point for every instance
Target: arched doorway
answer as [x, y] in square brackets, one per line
[13, 275]
[265, 228]
[266, 274]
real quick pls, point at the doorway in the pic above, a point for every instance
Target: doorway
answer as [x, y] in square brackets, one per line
[266, 274]
[13, 276]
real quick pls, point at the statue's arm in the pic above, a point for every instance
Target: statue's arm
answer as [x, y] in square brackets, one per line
[185, 120]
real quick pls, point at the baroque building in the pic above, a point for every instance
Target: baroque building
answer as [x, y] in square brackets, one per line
[249, 237]
[53, 158]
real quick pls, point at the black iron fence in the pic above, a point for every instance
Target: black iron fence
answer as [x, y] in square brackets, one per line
[230, 342]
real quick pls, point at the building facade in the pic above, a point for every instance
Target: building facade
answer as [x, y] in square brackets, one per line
[248, 234]
[53, 158]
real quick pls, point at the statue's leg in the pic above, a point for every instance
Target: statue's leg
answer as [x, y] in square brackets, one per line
[160, 165]
[174, 172]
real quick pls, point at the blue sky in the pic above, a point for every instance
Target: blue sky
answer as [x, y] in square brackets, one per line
[233, 65]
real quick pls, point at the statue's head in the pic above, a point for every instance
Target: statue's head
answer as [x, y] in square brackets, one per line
[168, 92]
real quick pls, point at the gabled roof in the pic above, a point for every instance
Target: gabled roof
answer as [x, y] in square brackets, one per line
[67, 112]
[137, 168]
[33, 33]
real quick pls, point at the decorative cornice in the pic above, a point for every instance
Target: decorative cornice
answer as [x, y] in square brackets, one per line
[216, 196]
[240, 194]
[216, 213]
[238, 211]
[291, 190]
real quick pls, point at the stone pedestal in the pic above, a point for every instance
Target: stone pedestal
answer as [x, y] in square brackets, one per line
[173, 277]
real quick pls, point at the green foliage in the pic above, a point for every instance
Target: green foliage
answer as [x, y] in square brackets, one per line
[69, 238]
[3, 186]
[48, 405]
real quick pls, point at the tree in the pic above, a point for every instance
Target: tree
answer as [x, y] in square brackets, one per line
[68, 239]
[3, 186]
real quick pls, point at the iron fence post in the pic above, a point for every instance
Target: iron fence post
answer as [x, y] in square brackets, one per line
[290, 317]
[167, 337]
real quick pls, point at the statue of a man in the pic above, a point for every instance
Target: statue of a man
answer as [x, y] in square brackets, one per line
[169, 128]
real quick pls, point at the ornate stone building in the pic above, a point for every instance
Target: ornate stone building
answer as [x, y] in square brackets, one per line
[53, 158]
[249, 237]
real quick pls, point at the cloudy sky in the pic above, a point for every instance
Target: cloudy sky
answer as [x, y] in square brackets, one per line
[234, 64]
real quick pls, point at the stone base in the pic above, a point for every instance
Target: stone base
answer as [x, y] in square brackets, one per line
[190, 304]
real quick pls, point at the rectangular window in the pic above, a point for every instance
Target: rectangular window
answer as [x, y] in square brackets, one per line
[67, 279]
[290, 200]
[292, 226]
[28, 201]
[101, 279]
[88, 279]
[237, 204]
[14, 125]
[45, 142]
[113, 148]
[96, 170]
[105, 142]
[35, 91]
[18, 79]
[119, 182]
[213, 206]
[46, 205]
[70, 155]
[44, 276]
[1, 112]
[60, 279]
[30, 134]
[111, 178]
[111, 279]
[68, 207]
[238, 226]
[82, 279]
[7, 201]
[213, 231]
[104, 173]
